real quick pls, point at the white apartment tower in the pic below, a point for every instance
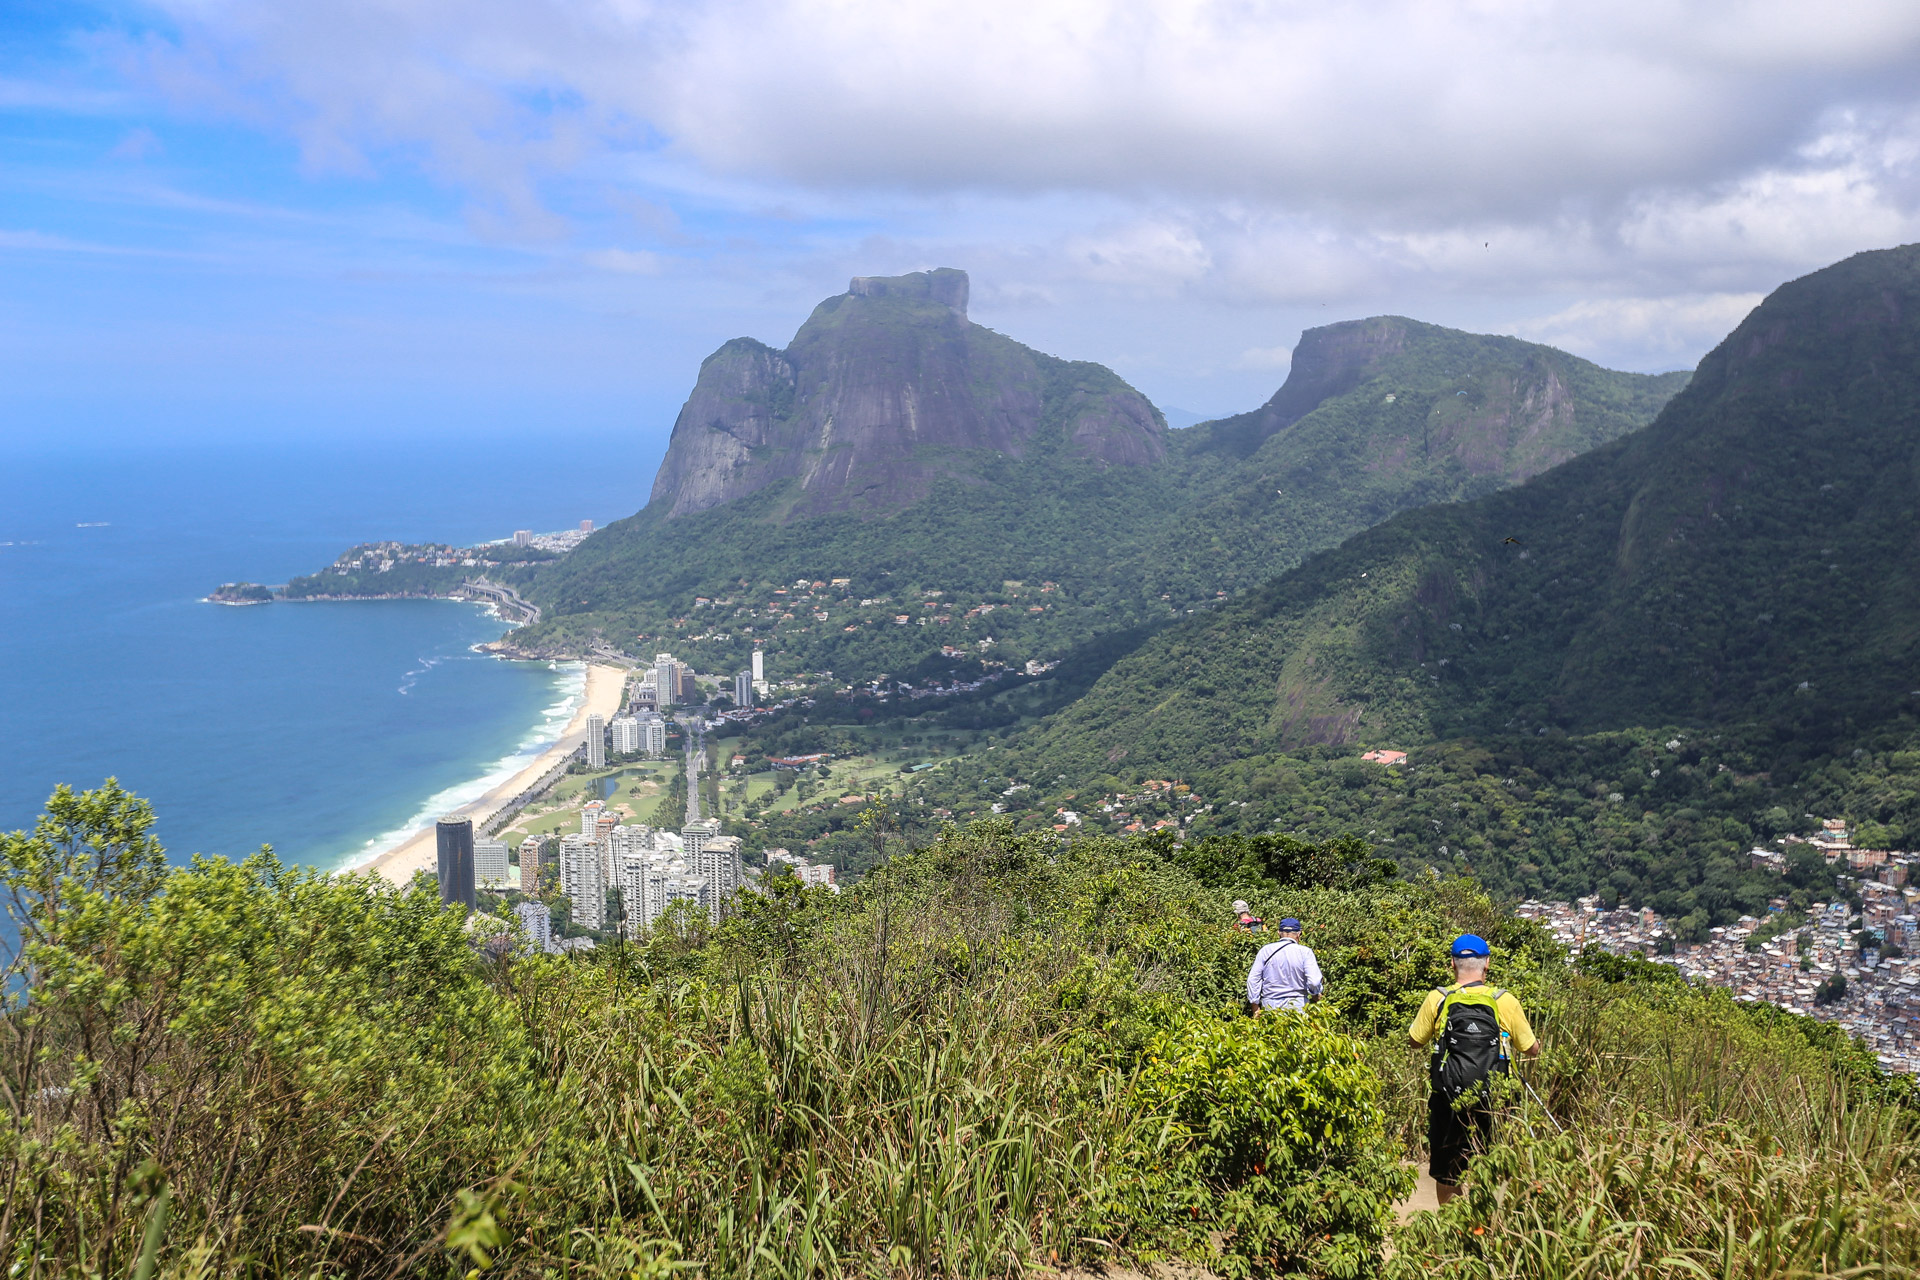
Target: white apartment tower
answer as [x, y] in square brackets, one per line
[590, 817]
[666, 679]
[626, 735]
[538, 922]
[653, 734]
[743, 688]
[715, 859]
[490, 864]
[596, 741]
[583, 881]
[530, 865]
[759, 673]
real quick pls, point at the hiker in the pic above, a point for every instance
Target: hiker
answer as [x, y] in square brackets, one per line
[1468, 1024]
[1243, 917]
[1285, 974]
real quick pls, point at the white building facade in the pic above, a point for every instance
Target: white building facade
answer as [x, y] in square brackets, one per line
[583, 880]
[490, 865]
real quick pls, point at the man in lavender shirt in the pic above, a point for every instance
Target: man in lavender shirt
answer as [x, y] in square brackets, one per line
[1285, 975]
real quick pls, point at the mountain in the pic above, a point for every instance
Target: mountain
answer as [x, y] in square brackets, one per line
[1008, 503]
[1740, 576]
[885, 391]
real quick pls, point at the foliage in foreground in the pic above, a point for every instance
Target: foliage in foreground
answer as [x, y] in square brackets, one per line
[994, 1055]
[985, 1059]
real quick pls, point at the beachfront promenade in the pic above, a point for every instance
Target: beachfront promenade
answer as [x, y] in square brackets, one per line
[605, 686]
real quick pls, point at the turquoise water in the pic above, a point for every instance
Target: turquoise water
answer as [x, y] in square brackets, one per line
[323, 729]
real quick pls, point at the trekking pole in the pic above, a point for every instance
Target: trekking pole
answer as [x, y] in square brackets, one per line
[1543, 1105]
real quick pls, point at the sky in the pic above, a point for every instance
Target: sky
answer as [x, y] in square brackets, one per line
[321, 220]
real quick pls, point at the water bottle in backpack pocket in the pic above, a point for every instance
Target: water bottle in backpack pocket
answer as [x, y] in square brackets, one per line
[1468, 1049]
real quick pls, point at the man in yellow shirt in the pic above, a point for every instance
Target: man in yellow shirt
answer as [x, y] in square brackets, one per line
[1468, 1025]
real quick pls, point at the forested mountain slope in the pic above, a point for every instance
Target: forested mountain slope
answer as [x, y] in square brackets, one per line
[1749, 556]
[1611, 678]
[897, 445]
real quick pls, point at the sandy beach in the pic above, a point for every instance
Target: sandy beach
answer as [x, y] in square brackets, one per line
[417, 852]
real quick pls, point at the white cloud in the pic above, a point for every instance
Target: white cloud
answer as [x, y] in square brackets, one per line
[1679, 328]
[1388, 102]
[1615, 178]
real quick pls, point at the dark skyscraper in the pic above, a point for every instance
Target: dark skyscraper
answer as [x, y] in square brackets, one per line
[455, 839]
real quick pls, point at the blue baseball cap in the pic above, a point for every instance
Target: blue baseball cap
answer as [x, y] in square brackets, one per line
[1289, 925]
[1468, 945]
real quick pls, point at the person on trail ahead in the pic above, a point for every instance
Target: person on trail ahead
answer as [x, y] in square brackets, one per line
[1285, 974]
[1468, 1024]
[1243, 917]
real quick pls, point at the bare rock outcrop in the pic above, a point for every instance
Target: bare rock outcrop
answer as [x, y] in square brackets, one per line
[887, 390]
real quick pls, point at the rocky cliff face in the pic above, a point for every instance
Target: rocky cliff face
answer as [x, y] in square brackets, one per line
[1409, 403]
[885, 391]
[1330, 361]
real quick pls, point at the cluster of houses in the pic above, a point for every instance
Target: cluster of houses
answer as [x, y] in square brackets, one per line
[1853, 967]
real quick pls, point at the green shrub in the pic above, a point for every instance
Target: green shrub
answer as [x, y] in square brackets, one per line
[1279, 1126]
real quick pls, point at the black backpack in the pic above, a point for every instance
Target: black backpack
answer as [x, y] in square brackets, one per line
[1468, 1048]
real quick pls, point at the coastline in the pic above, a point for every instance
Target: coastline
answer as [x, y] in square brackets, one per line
[417, 852]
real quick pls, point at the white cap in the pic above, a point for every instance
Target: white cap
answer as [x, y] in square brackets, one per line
[1240, 905]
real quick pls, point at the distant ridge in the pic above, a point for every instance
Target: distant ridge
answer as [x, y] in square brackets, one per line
[1753, 556]
[897, 445]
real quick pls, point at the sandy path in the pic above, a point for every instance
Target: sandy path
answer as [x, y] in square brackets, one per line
[417, 852]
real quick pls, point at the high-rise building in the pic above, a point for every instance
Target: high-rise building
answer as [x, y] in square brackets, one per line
[523, 537]
[590, 817]
[637, 895]
[583, 881]
[453, 840]
[632, 840]
[653, 734]
[530, 865]
[596, 741]
[686, 888]
[713, 858]
[537, 920]
[586, 526]
[666, 680]
[490, 864]
[760, 673]
[689, 687]
[626, 735]
[603, 832]
[694, 837]
[743, 688]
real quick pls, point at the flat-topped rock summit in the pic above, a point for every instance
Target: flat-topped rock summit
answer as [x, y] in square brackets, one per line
[886, 391]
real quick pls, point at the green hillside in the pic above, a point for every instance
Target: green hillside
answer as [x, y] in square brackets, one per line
[1377, 417]
[992, 1057]
[1736, 581]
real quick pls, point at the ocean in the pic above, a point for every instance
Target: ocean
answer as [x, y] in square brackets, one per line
[323, 729]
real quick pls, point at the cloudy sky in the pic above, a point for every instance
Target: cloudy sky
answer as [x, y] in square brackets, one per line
[420, 217]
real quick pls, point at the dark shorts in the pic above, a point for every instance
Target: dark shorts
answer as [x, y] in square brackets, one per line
[1456, 1134]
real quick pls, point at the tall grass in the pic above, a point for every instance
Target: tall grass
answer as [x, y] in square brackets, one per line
[243, 1068]
[1700, 1140]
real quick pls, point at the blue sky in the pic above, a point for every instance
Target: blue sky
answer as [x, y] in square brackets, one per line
[315, 219]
